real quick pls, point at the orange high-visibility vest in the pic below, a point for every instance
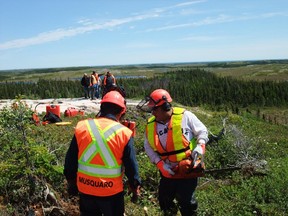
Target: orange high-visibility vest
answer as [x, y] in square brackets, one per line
[105, 80]
[101, 143]
[177, 146]
[94, 79]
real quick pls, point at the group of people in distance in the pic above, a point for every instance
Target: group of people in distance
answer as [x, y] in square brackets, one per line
[93, 84]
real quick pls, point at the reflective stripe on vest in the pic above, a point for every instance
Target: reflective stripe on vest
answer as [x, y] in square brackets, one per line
[99, 173]
[99, 145]
[177, 146]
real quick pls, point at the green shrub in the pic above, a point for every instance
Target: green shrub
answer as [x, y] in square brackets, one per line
[26, 166]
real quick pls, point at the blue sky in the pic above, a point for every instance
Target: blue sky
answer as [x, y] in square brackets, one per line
[64, 33]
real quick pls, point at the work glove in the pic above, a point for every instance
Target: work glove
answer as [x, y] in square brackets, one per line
[72, 187]
[165, 169]
[198, 153]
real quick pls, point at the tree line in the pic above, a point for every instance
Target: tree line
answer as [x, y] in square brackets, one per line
[195, 87]
[190, 87]
[44, 88]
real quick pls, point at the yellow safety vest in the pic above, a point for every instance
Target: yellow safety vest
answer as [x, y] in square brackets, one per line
[101, 144]
[177, 146]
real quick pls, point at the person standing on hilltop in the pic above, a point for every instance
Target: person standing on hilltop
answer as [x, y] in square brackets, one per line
[100, 153]
[108, 82]
[94, 85]
[85, 82]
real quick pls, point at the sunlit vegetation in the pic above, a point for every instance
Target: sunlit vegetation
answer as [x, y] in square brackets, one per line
[255, 142]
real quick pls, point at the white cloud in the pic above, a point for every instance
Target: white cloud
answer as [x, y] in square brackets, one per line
[87, 26]
[190, 3]
[222, 18]
[85, 21]
[59, 34]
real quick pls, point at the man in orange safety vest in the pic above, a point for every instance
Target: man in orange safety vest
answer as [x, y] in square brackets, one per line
[95, 160]
[174, 139]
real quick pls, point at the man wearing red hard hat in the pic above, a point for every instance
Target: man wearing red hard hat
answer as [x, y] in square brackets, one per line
[94, 163]
[175, 142]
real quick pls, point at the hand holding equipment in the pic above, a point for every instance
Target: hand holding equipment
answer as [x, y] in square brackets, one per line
[199, 151]
[190, 169]
[194, 165]
[165, 169]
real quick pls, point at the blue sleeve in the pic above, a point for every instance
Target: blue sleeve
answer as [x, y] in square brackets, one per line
[71, 160]
[131, 165]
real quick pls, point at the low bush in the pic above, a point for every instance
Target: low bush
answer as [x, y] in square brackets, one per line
[32, 157]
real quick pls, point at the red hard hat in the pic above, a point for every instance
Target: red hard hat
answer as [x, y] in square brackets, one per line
[159, 97]
[114, 97]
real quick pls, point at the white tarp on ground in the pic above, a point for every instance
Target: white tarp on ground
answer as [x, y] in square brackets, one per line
[89, 106]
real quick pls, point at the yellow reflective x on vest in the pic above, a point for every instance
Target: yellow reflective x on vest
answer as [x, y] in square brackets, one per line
[99, 146]
[177, 146]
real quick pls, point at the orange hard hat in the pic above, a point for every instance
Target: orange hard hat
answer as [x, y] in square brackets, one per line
[159, 97]
[114, 97]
